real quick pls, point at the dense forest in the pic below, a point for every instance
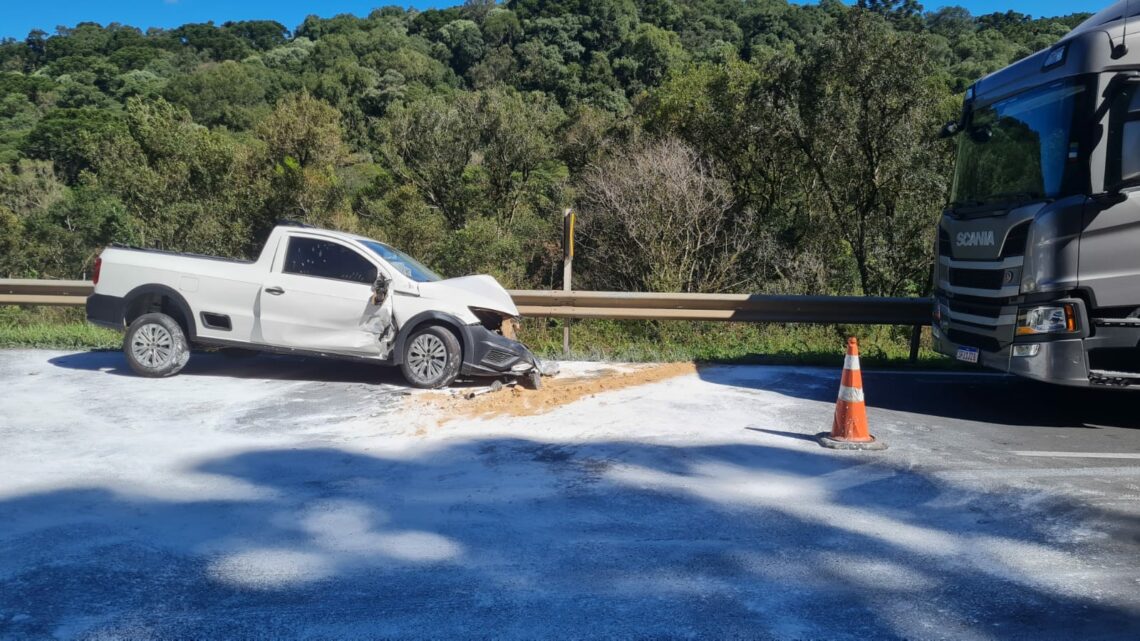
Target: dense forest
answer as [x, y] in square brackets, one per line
[708, 145]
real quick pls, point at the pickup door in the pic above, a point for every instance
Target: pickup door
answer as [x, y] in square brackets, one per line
[318, 296]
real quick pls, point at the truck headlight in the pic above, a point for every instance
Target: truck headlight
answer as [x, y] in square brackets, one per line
[1050, 319]
[942, 317]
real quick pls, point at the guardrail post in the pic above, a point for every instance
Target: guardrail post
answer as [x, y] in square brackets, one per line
[915, 343]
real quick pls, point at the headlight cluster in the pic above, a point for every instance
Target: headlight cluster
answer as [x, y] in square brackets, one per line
[942, 317]
[1050, 319]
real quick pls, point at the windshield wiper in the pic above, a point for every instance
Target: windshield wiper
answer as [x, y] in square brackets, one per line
[1014, 196]
[965, 204]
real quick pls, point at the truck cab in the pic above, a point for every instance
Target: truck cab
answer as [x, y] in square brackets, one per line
[1038, 252]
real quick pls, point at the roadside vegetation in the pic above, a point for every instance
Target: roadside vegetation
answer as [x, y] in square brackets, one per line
[55, 328]
[624, 341]
[634, 341]
[710, 146]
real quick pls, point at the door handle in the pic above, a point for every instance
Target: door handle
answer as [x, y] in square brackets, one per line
[276, 291]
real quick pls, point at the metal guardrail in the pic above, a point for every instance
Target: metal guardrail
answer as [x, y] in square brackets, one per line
[742, 308]
[44, 292]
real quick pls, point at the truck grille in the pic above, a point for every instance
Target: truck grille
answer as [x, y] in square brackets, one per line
[984, 343]
[987, 310]
[977, 278]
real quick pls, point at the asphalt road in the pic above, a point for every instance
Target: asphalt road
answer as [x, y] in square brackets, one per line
[283, 498]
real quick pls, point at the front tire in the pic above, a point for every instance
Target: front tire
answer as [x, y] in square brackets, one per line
[432, 357]
[156, 346]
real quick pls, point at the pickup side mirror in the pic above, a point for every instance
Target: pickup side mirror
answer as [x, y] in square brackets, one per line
[380, 289]
[950, 129]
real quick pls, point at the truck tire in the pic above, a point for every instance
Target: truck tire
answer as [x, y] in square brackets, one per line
[156, 346]
[432, 357]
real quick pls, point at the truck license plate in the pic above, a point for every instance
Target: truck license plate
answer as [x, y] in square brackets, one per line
[968, 354]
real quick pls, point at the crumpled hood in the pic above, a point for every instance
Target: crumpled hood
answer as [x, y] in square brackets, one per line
[472, 291]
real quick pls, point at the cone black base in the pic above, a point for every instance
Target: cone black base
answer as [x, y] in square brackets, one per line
[830, 443]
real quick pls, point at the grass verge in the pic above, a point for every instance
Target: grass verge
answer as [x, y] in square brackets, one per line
[595, 340]
[53, 328]
[640, 341]
[59, 336]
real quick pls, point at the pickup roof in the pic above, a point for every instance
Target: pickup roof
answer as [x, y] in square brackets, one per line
[314, 292]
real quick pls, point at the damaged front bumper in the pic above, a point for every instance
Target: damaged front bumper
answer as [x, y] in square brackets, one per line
[488, 353]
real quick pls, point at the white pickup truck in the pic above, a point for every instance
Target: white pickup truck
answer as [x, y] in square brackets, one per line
[313, 292]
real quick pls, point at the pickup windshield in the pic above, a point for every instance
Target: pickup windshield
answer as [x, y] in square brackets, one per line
[407, 265]
[1022, 148]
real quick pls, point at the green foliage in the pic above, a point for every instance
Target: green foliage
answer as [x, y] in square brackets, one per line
[460, 134]
[863, 120]
[636, 341]
[54, 328]
[71, 137]
[229, 94]
[75, 335]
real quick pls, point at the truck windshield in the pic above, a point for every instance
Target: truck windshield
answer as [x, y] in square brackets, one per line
[407, 265]
[1022, 148]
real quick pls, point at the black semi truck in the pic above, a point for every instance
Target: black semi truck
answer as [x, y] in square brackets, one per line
[1038, 258]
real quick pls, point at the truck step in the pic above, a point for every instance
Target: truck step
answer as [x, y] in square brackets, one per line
[1113, 379]
[1117, 322]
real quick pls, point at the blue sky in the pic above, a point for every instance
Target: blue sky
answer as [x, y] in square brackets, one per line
[21, 16]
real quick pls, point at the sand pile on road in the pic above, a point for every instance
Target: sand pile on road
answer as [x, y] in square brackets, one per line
[557, 391]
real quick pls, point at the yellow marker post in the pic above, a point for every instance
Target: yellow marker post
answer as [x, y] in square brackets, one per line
[567, 270]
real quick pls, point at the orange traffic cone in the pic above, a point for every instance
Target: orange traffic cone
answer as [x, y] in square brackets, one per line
[850, 431]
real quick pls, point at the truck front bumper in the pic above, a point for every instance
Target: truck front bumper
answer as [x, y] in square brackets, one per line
[1062, 362]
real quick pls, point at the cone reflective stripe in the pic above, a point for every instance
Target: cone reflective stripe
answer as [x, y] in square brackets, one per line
[851, 394]
[850, 430]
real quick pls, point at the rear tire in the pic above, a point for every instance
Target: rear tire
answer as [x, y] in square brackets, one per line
[156, 346]
[431, 358]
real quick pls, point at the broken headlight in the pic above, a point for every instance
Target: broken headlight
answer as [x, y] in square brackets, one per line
[492, 320]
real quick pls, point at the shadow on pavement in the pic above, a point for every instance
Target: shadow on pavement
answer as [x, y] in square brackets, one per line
[261, 366]
[512, 538]
[982, 397]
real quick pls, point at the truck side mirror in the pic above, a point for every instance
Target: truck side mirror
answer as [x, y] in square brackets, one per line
[950, 129]
[380, 289]
[1116, 86]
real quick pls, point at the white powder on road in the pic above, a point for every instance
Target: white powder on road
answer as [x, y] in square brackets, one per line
[290, 498]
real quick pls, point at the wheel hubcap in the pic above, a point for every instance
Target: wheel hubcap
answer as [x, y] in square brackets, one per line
[153, 346]
[427, 357]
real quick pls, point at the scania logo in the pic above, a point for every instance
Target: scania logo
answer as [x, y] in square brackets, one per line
[976, 239]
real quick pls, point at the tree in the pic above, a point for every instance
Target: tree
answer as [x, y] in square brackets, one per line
[303, 142]
[657, 218]
[864, 119]
[183, 186]
[462, 132]
[905, 14]
[648, 56]
[465, 41]
[428, 144]
[262, 35]
[71, 138]
[228, 94]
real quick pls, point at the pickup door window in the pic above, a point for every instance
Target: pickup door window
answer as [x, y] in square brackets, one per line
[319, 297]
[323, 259]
